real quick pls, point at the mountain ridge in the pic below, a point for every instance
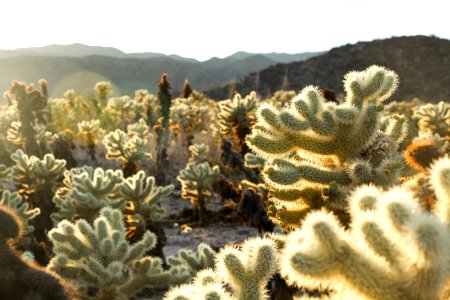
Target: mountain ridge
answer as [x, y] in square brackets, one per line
[87, 64]
[417, 60]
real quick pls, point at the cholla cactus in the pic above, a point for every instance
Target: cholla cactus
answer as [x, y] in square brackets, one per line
[165, 99]
[245, 271]
[315, 151]
[99, 256]
[206, 286]
[139, 129]
[120, 111]
[188, 117]
[21, 278]
[148, 106]
[86, 191]
[103, 91]
[90, 132]
[37, 179]
[199, 153]
[30, 102]
[5, 176]
[236, 118]
[282, 98]
[142, 196]
[21, 208]
[254, 161]
[204, 258]
[406, 109]
[129, 148]
[434, 118]
[196, 181]
[392, 251]
[42, 136]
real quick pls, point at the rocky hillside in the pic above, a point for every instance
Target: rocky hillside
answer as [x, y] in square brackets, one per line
[423, 64]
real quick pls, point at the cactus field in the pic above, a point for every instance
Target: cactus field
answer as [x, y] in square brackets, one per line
[304, 195]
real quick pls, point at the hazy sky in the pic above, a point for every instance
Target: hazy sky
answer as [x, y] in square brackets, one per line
[202, 29]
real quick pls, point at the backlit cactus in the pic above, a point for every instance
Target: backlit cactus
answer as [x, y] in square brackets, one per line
[36, 180]
[30, 102]
[434, 118]
[236, 117]
[246, 272]
[90, 132]
[315, 150]
[204, 258]
[196, 181]
[393, 250]
[127, 147]
[142, 196]
[13, 201]
[100, 258]
[86, 191]
[199, 153]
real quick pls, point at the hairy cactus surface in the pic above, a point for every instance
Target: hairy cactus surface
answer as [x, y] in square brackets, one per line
[434, 118]
[128, 147]
[86, 191]
[142, 196]
[30, 103]
[196, 182]
[246, 272]
[20, 278]
[315, 151]
[36, 180]
[393, 249]
[90, 132]
[13, 201]
[100, 258]
[236, 117]
[204, 258]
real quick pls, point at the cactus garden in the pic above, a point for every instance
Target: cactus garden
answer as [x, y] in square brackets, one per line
[184, 197]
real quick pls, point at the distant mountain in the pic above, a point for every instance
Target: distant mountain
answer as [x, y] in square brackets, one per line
[423, 64]
[79, 66]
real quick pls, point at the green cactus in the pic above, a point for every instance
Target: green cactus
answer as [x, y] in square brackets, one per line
[100, 257]
[86, 191]
[434, 118]
[22, 278]
[254, 161]
[196, 181]
[316, 151]
[127, 147]
[36, 180]
[393, 250]
[236, 117]
[406, 109]
[246, 272]
[199, 153]
[204, 258]
[142, 196]
[282, 98]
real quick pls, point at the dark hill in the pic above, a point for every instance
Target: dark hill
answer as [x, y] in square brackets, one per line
[423, 64]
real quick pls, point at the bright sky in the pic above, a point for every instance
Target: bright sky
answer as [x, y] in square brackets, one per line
[202, 29]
